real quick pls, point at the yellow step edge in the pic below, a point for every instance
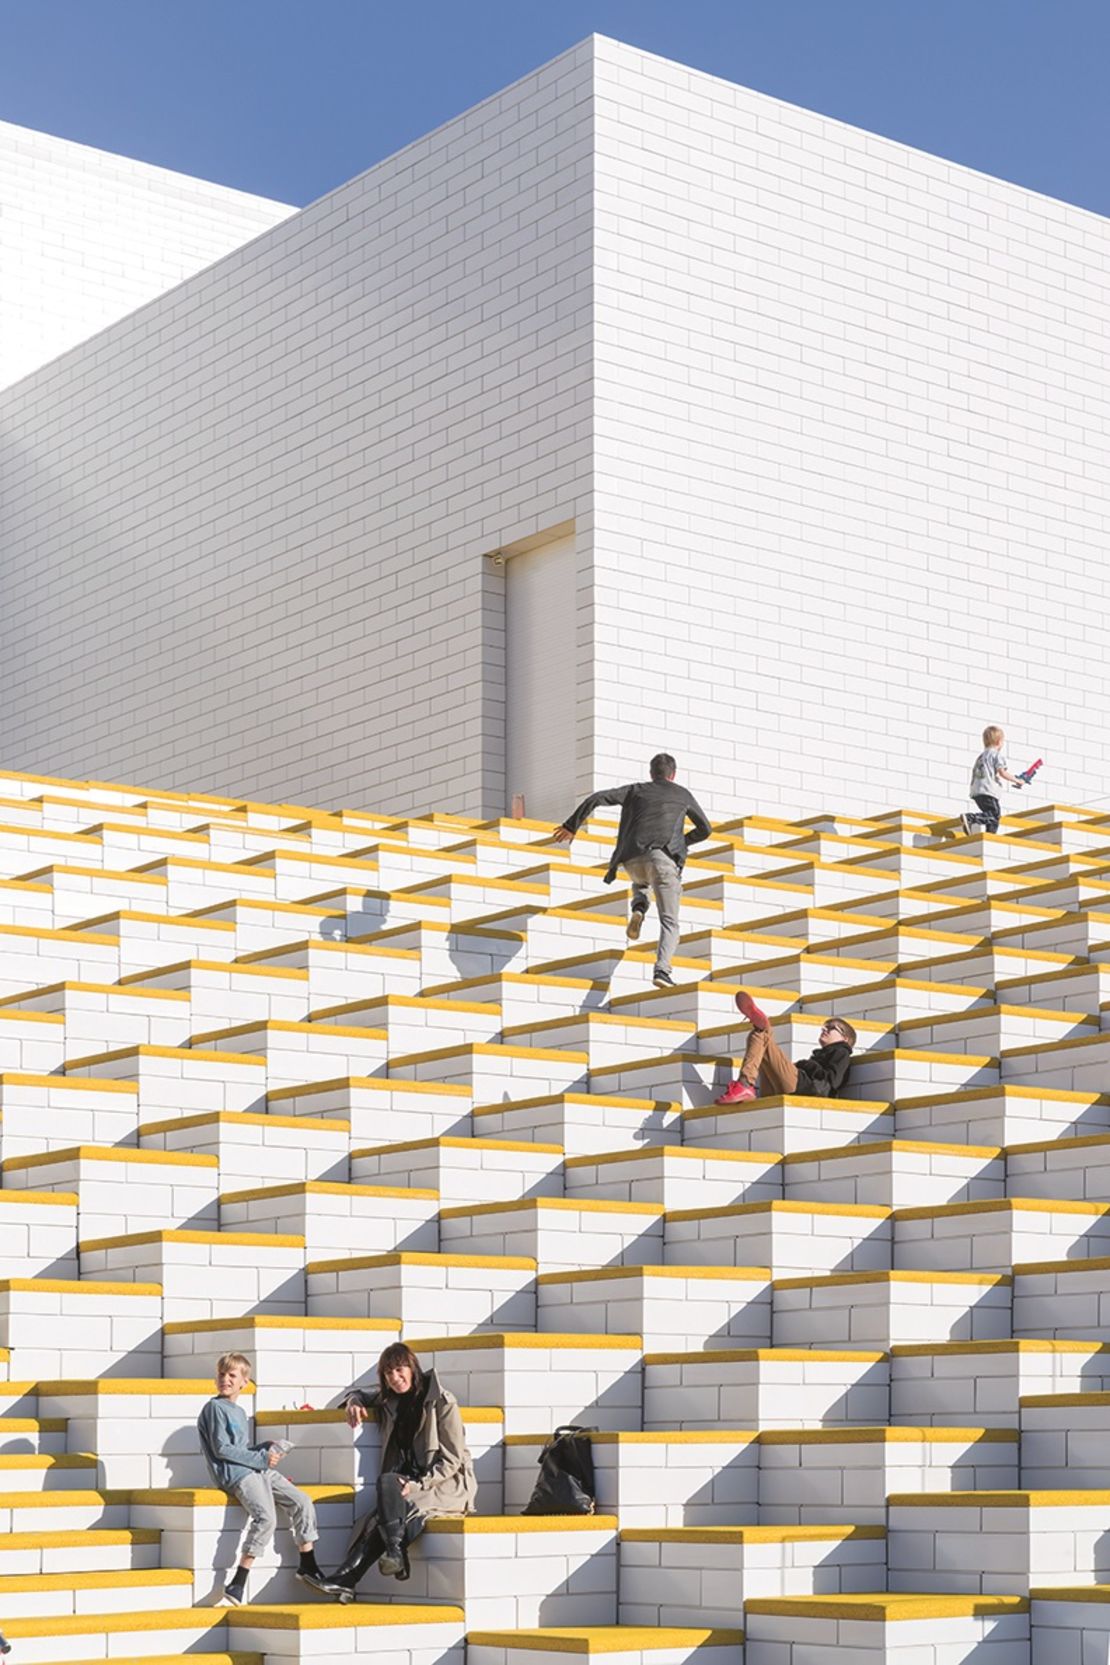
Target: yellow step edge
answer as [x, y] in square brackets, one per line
[599, 1639]
[515, 1525]
[885, 1434]
[971, 1349]
[488, 1049]
[1016, 1499]
[85, 1538]
[450, 1141]
[104, 1153]
[682, 1436]
[555, 1205]
[602, 1274]
[771, 1355]
[329, 1188]
[983, 1280]
[682, 1153]
[60, 1199]
[406, 1257]
[1003, 1205]
[887, 1609]
[249, 1118]
[129, 1387]
[524, 1341]
[280, 1026]
[263, 1321]
[1034, 1268]
[749, 1534]
[378, 1083]
[1065, 1401]
[237, 1239]
[118, 1579]
[849, 1211]
[194, 1055]
[76, 1286]
[893, 1147]
[318, 1616]
[92, 1083]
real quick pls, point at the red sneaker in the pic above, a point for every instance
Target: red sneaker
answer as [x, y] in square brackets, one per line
[757, 1019]
[736, 1092]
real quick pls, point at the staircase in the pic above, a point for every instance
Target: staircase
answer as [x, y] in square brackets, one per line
[300, 1083]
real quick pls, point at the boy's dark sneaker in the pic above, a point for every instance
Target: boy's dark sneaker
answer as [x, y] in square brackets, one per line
[757, 1018]
[635, 924]
[735, 1093]
[235, 1593]
[663, 980]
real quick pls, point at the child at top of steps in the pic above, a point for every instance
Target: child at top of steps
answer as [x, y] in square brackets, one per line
[821, 1075]
[990, 767]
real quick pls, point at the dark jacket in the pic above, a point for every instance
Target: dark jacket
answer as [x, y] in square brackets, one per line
[653, 815]
[825, 1071]
[448, 1486]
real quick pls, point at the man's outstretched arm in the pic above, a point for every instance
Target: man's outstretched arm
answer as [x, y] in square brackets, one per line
[701, 828]
[612, 795]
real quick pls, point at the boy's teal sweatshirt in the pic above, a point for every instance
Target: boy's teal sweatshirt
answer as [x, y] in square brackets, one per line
[224, 1431]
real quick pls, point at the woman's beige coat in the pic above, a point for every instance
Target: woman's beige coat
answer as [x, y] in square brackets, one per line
[449, 1486]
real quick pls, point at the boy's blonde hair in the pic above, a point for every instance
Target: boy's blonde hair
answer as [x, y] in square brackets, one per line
[844, 1028]
[226, 1360]
[993, 736]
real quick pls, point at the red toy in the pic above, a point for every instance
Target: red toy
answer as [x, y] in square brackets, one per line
[1027, 774]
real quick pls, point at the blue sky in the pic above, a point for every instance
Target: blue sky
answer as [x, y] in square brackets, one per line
[289, 98]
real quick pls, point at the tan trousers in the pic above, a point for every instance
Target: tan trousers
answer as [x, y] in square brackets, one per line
[764, 1057]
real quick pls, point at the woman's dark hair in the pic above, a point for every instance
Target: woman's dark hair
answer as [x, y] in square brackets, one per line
[396, 1354]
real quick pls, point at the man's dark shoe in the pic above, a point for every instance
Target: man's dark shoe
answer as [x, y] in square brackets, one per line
[392, 1563]
[315, 1579]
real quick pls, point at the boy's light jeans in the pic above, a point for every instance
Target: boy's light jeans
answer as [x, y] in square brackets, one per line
[262, 1495]
[657, 872]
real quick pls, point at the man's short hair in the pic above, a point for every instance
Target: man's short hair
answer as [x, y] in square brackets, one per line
[662, 766]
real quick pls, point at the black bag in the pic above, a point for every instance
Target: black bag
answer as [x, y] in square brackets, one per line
[566, 1480]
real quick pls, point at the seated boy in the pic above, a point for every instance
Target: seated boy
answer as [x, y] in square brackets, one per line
[821, 1075]
[248, 1473]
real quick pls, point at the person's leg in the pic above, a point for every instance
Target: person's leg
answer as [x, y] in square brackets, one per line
[300, 1512]
[255, 1495]
[754, 1052]
[395, 1513]
[991, 816]
[362, 1553]
[639, 872]
[666, 884]
[777, 1073]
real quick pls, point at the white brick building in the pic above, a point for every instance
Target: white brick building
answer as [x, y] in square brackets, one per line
[795, 441]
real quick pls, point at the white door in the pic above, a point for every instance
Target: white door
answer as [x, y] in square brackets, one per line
[541, 679]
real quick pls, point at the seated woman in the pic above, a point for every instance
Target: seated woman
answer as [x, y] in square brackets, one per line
[425, 1472]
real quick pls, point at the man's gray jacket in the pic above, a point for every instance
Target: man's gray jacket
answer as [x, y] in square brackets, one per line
[653, 816]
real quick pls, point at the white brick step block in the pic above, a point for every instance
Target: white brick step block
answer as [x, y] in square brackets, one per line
[117, 1189]
[1075, 988]
[543, 1380]
[895, 1000]
[804, 975]
[294, 1053]
[703, 1004]
[989, 964]
[379, 1110]
[495, 1073]
[895, 1173]
[997, 1542]
[901, 944]
[1076, 1065]
[34, 1512]
[1069, 1170]
[707, 1575]
[808, 1476]
[981, 1383]
[826, 927]
[142, 1429]
[881, 1629]
[607, 1038]
[416, 1023]
[179, 1081]
[886, 1309]
[248, 1143]
[548, 933]
[38, 1230]
[442, 953]
[992, 1236]
[333, 1218]
[689, 1079]
[1081, 934]
[146, 1635]
[805, 1238]
[328, 1452]
[437, 1294]
[80, 891]
[340, 970]
[106, 1016]
[1063, 1300]
[51, 1595]
[561, 1234]
[1002, 1115]
[513, 1571]
[34, 1042]
[260, 925]
[675, 1307]
[676, 1176]
[619, 1644]
[462, 1170]
[523, 996]
[205, 1274]
[118, 1549]
[1064, 1437]
[202, 1528]
[56, 1112]
[581, 1123]
[148, 941]
[903, 1072]
[219, 992]
[32, 1434]
[468, 894]
[30, 958]
[623, 970]
[993, 1030]
[296, 1633]
[26, 902]
[57, 1326]
[782, 1387]
[67, 1471]
[787, 1124]
[668, 1479]
[1071, 1624]
[296, 1360]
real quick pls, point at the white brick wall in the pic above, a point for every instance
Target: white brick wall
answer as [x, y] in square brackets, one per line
[244, 527]
[830, 416]
[86, 237]
[853, 405]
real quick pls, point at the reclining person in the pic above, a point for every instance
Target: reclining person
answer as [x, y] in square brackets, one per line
[426, 1471]
[821, 1075]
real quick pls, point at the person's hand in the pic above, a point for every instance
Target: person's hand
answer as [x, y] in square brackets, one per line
[406, 1488]
[356, 1414]
[562, 835]
[273, 1457]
